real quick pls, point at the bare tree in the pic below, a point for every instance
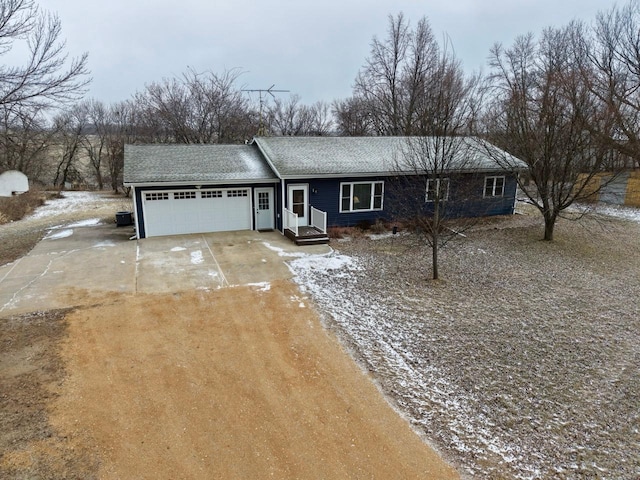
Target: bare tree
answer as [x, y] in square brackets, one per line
[393, 81]
[94, 141]
[119, 130]
[320, 119]
[48, 77]
[286, 117]
[197, 108]
[612, 71]
[439, 166]
[352, 117]
[69, 127]
[290, 118]
[542, 114]
[24, 140]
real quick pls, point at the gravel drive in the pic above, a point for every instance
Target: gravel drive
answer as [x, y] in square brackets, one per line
[522, 362]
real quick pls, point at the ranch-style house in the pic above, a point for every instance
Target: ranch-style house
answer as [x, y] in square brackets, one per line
[299, 185]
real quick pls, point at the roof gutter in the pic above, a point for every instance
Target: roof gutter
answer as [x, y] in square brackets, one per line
[203, 183]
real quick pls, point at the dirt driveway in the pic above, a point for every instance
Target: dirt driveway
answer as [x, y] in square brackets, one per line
[154, 371]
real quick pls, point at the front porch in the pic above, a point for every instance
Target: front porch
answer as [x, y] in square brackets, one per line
[313, 234]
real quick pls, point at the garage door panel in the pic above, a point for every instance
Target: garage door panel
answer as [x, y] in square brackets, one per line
[178, 212]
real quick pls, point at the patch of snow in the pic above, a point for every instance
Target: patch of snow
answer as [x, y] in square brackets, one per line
[380, 236]
[69, 201]
[60, 234]
[338, 264]
[262, 286]
[619, 211]
[178, 249]
[283, 253]
[85, 223]
[106, 243]
[196, 257]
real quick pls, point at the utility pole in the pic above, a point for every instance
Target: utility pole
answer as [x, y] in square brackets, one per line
[261, 91]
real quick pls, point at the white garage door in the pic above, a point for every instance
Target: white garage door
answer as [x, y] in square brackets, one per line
[196, 211]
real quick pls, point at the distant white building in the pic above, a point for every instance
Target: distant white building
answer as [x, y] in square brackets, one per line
[13, 182]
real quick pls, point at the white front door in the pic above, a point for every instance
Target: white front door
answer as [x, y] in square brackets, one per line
[263, 198]
[298, 202]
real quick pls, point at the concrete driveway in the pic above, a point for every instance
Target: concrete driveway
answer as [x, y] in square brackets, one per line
[102, 258]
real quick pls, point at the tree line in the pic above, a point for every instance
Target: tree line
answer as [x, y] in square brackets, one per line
[566, 101]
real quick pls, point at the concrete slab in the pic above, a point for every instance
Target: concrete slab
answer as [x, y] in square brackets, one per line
[70, 262]
[176, 263]
[98, 258]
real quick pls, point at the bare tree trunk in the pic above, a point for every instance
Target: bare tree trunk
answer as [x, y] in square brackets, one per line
[435, 237]
[434, 257]
[549, 225]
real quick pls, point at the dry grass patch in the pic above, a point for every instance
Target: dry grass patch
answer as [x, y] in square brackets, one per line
[17, 207]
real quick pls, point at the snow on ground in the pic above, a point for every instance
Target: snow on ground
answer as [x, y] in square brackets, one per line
[523, 363]
[196, 257]
[55, 234]
[90, 222]
[282, 252]
[262, 286]
[70, 201]
[619, 211]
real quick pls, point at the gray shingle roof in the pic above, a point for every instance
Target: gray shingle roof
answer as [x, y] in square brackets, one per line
[318, 156]
[194, 163]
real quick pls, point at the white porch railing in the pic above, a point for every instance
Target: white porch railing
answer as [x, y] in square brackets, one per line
[319, 219]
[291, 221]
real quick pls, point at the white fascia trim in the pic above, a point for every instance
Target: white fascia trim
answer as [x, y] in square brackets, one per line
[203, 183]
[339, 175]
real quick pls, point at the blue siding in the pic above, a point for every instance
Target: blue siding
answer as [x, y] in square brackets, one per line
[465, 198]
[324, 194]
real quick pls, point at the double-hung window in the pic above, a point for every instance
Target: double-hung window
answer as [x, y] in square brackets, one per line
[361, 196]
[493, 186]
[437, 188]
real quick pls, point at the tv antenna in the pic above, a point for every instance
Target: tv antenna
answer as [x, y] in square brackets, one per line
[262, 95]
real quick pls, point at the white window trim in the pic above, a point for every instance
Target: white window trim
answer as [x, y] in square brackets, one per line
[493, 189]
[371, 209]
[438, 181]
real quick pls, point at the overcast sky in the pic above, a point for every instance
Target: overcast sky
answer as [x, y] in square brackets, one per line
[312, 48]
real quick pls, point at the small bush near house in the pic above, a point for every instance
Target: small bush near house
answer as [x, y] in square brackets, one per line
[342, 232]
[379, 227]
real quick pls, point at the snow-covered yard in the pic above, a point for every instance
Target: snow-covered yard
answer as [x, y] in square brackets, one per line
[523, 362]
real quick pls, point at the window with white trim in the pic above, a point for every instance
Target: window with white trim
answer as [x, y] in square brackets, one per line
[437, 188]
[494, 186]
[156, 196]
[184, 195]
[237, 193]
[361, 196]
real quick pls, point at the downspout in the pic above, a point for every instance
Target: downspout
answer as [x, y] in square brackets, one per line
[515, 194]
[282, 185]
